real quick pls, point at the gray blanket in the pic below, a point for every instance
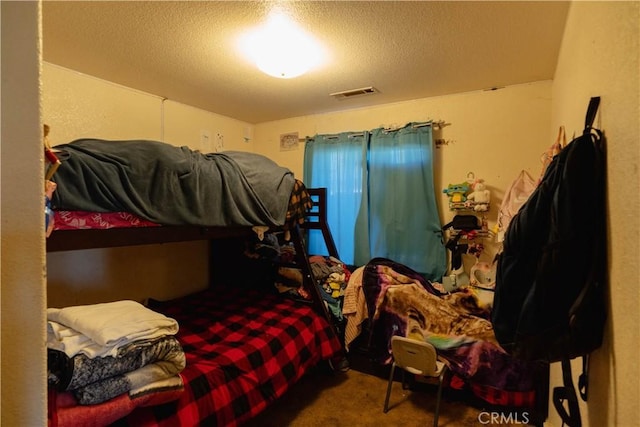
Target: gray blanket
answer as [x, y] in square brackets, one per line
[172, 185]
[141, 364]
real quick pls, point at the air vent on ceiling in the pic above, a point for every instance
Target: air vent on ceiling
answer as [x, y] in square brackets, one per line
[354, 92]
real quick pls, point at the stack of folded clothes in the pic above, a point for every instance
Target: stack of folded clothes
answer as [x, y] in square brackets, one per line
[106, 359]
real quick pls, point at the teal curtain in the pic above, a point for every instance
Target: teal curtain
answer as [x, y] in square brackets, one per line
[403, 219]
[338, 163]
[381, 196]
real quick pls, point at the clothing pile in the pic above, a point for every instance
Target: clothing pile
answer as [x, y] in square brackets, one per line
[332, 276]
[109, 358]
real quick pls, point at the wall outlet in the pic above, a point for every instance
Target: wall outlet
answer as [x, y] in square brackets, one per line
[219, 142]
[247, 133]
[205, 140]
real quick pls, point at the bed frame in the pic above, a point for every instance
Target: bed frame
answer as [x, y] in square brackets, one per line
[316, 219]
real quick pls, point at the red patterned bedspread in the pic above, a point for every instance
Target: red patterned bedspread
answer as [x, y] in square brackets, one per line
[299, 204]
[80, 220]
[244, 349]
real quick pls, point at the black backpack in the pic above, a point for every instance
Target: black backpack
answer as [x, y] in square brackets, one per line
[549, 299]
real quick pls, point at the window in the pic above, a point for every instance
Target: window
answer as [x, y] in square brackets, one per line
[380, 196]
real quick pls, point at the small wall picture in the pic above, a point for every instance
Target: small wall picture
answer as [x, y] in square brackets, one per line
[289, 141]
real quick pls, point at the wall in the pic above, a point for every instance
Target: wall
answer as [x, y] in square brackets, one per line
[22, 304]
[485, 129]
[494, 134]
[76, 106]
[599, 57]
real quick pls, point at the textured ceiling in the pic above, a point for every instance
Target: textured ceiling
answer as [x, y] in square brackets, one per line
[186, 51]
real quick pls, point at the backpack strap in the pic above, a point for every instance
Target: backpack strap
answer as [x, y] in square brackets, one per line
[571, 416]
[592, 109]
[583, 379]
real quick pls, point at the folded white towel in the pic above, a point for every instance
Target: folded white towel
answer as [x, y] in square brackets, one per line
[108, 325]
[72, 342]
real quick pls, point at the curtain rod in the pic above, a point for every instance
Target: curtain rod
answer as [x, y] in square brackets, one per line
[436, 124]
[433, 123]
[352, 135]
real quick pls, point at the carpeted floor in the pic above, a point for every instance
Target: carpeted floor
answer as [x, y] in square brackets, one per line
[355, 398]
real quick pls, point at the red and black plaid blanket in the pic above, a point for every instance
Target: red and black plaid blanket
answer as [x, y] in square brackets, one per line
[244, 349]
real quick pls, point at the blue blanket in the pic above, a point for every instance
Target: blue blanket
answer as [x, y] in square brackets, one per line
[172, 185]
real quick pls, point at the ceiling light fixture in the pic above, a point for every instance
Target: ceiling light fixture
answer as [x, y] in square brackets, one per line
[281, 49]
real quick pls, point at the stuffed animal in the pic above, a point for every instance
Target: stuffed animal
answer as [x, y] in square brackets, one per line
[457, 192]
[480, 197]
[483, 275]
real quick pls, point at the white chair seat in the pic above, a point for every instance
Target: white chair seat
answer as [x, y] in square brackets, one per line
[418, 358]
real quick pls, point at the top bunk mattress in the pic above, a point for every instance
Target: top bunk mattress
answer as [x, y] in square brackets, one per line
[299, 204]
[163, 184]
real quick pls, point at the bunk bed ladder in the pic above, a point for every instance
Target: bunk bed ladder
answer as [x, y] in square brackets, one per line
[309, 281]
[316, 219]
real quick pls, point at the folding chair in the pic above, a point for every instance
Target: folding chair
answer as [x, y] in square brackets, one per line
[418, 358]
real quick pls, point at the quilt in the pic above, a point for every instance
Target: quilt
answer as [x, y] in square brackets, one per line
[171, 185]
[139, 367]
[244, 349]
[405, 303]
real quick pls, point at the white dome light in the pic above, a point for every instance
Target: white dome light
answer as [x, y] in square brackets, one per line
[281, 49]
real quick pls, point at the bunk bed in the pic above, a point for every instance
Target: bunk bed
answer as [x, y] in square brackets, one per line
[244, 347]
